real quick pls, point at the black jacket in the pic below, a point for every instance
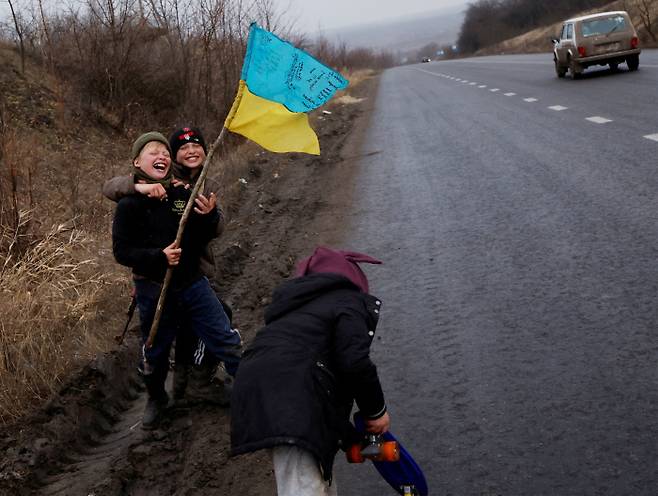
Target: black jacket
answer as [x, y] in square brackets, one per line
[297, 381]
[143, 226]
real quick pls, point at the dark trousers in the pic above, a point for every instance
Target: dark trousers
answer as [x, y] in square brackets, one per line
[194, 308]
[191, 351]
[204, 315]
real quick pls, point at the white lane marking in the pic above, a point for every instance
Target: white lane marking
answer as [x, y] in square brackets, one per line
[428, 72]
[482, 86]
[510, 94]
[493, 90]
[464, 81]
[557, 108]
[653, 137]
[489, 61]
[598, 120]
[530, 100]
[472, 83]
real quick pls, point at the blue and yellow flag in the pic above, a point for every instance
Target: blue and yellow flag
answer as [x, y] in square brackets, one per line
[270, 124]
[276, 70]
[279, 84]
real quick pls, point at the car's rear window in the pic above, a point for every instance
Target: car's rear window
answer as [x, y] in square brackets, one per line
[605, 25]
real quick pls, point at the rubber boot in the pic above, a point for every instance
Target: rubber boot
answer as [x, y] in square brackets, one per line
[158, 399]
[181, 374]
[205, 386]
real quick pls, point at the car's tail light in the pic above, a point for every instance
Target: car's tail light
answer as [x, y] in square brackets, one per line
[634, 42]
[581, 51]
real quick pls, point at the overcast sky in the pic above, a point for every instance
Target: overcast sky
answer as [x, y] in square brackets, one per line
[313, 14]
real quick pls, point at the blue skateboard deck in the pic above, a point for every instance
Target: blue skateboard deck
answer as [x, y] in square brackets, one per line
[404, 475]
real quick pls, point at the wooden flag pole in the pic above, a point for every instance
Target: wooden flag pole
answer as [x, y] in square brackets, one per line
[179, 235]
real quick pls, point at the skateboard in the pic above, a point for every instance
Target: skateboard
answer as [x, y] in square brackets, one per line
[392, 461]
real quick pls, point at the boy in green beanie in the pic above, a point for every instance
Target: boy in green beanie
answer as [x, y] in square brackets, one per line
[143, 234]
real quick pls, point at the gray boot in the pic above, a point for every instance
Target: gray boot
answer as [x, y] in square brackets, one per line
[154, 411]
[205, 386]
[158, 399]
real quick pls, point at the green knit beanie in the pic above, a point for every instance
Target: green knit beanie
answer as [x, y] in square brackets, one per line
[147, 138]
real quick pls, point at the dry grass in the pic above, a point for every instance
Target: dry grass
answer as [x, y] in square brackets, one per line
[358, 76]
[49, 298]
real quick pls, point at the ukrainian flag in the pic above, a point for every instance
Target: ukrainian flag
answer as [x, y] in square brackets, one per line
[279, 84]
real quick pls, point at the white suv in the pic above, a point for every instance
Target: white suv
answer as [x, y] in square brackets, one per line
[608, 38]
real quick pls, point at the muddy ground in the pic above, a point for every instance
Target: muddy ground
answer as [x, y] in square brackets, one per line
[87, 440]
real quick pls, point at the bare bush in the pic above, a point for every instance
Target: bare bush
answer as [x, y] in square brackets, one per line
[648, 11]
[15, 184]
[159, 63]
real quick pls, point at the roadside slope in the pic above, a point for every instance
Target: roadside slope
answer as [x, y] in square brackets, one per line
[88, 439]
[539, 40]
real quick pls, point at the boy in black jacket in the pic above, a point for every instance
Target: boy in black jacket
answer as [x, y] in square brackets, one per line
[303, 371]
[143, 235]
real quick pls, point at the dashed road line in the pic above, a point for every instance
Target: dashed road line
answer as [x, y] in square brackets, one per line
[598, 119]
[557, 108]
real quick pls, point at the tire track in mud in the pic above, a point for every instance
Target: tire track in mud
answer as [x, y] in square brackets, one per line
[81, 472]
[119, 429]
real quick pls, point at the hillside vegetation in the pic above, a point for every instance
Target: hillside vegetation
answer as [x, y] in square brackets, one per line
[76, 87]
[520, 26]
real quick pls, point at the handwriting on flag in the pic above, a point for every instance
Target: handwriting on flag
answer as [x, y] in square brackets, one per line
[276, 70]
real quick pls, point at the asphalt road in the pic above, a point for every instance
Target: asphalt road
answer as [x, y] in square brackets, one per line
[517, 217]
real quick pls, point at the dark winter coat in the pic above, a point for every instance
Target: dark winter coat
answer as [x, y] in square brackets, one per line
[297, 381]
[121, 186]
[144, 226]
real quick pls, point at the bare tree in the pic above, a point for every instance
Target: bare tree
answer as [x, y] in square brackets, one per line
[647, 9]
[19, 33]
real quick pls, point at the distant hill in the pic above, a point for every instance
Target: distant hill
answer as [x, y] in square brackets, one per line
[406, 34]
[538, 40]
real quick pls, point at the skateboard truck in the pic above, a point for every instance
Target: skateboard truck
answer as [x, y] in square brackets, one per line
[373, 447]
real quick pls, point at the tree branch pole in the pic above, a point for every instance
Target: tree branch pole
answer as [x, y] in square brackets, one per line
[179, 236]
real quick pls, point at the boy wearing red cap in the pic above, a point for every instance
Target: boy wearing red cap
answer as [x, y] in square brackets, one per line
[302, 373]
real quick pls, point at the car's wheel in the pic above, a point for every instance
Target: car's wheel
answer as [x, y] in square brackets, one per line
[614, 66]
[559, 70]
[633, 62]
[574, 69]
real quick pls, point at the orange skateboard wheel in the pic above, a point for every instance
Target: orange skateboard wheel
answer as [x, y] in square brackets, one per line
[354, 454]
[389, 451]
